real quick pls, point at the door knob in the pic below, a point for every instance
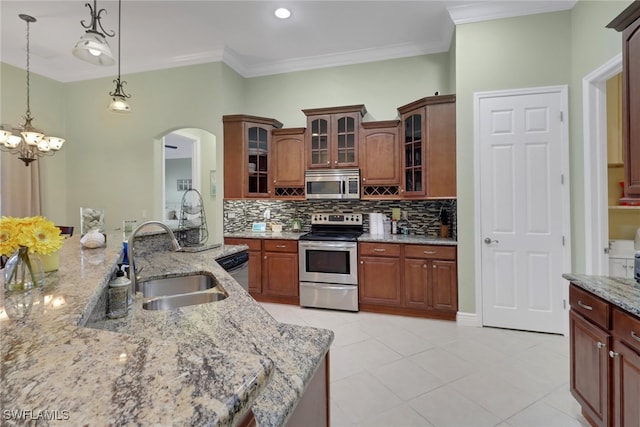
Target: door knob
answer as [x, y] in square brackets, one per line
[488, 240]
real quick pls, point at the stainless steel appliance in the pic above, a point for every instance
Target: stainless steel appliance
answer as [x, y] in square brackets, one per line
[237, 265]
[332, 184]
[328, 258]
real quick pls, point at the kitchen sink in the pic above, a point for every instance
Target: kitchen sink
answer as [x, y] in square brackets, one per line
[176, 301]
[176, 285]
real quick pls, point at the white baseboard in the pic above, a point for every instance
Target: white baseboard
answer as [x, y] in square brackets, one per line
[468, 319]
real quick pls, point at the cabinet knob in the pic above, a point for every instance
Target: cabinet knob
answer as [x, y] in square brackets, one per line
[364, 179]
[335, 162]
[424, 265]
[433, 266]
[265, 257]
[613, 354]
[361, 262]
[600, 344]
[328, 162]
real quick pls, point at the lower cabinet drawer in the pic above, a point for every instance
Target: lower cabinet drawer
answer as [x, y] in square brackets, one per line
[590, 306]
[430, 251]
[280, 245]
[380, 249]
[254, 244]
[626, 328]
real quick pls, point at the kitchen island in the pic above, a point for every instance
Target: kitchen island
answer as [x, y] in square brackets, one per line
[209, 364]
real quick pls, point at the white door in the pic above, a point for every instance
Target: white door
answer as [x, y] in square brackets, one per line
[522, 207]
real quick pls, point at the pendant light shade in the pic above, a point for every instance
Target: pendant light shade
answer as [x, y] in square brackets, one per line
[92, 46]
[119, 102]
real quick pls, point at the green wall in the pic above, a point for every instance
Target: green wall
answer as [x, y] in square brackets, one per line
[539, 50]
[109, 159]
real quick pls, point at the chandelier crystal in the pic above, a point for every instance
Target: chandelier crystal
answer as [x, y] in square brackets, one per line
[25, 141]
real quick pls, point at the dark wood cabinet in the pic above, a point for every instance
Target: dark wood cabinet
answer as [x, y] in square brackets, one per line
[428, 134]
[332, 136]
[628, 23]
[379, 154]
[280, 270]
[273, 269]
[408, 279]
[379, 274]
[604, 360]
[430, 277]
[288, 163]
[590, 372]
[246, 156]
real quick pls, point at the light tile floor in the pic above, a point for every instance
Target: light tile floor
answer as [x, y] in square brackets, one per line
[396, 371]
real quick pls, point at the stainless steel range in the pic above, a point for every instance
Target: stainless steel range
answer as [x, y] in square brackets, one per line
[329, 261]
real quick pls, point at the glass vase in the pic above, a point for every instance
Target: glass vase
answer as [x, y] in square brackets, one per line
[23, 270]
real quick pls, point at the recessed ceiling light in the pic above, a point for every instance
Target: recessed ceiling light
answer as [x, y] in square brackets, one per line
[283, 13]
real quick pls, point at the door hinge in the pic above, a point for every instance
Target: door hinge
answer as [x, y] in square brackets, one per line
[606, 251]
[562, 178]
[564, 304]
[562, 116]
[562, 240]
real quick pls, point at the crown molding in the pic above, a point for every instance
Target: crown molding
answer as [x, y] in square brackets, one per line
[487, 11]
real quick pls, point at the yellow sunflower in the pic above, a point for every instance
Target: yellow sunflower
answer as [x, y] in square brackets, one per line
[36, 233]
[9, 232]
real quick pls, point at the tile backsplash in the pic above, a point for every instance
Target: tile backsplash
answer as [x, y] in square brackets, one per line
[423, 215]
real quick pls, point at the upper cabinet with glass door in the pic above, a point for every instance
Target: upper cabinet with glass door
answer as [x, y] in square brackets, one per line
[332, 136]
[246, 156]
[429, 147]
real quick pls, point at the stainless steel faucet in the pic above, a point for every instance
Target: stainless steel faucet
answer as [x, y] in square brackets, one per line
[132, 268]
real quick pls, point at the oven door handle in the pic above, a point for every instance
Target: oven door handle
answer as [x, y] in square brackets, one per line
[328, 245]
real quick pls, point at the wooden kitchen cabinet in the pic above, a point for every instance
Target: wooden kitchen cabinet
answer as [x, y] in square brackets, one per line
[628, 23]
[604, 360]
[625, 357]
[255, 261]
[247, 142]
[379, 154]
[431, 278]
[408, 279]
[332, 136]
[288, 163]
[428, 151]
[280, 271]
[590, 372]
[379, 274]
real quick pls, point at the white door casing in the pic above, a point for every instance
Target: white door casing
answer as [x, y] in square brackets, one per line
[522, 208]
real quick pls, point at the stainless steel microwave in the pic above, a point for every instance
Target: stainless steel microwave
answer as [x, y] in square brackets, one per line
[332, 184]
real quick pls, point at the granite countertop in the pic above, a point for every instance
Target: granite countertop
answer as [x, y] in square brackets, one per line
[205, 364]
[621, 292]
[366, 237]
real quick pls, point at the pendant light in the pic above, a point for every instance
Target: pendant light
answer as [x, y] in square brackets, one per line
[119, 102]
[92, 46]
[27, 142]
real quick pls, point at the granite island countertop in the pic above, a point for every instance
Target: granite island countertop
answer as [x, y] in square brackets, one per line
[621, 292]
[198, 365]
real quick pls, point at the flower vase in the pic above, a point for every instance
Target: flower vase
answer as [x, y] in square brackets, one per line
[50, 261]
[23, 270]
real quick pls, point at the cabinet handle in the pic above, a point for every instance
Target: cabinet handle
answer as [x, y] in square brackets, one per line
[281, 246]
[600, 344]
[585, 306]
[635, 336]
[613, 354]
[428, 252]
[379, 250]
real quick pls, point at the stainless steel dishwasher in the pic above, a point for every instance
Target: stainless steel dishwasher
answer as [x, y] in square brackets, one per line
[237, 265]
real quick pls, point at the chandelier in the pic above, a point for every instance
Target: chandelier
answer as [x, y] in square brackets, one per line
[92, 46]
[119, 102]
[27, 142]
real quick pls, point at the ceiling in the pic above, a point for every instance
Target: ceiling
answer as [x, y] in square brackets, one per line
[246, 35]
